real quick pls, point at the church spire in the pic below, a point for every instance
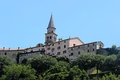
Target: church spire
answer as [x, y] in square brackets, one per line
[50, 36]
[51, 22]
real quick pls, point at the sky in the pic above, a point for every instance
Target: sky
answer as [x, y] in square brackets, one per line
[23, 23]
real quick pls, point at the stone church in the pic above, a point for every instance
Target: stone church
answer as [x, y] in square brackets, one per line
[70, 48]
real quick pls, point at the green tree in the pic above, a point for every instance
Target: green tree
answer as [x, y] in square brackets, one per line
[86, 61]
[98, 61]
[109, 63]
[18, 72]
[110, 77]
[113, 46]
[63, 59]
[118, 61]
[5, 61]
[76, 74]
[62, 71]
[42, 63]
[58, 72]
[24, 61]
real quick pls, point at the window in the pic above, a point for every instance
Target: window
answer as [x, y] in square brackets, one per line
[58, 53]
[47, 37]
[78, 52]
[48, 48]
[52, 49]
[88, 51]
[5, 53]
[71, 48]
[71, 54]
[48, 53]
[64, 51]
[52, 44]
[93, 44]
[31, 50]
[58, 42]
[58, 47]
[64, 46]
[52, 53]
[93, 50]
[50, 37]
[73, 44]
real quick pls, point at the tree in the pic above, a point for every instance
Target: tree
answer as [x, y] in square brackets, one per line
[118, 61]
[109, 63]
[24, 61]
[62, 71]
[5, 61]
[76, 74]
[58, 72]
[113, 46]
[42, 63]
[63, 59]
[18, 72]
[86, 61]
[98, 61]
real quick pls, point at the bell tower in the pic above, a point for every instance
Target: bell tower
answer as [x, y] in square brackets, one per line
[50, 36]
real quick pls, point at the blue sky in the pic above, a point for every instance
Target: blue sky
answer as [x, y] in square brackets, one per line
[23, 23]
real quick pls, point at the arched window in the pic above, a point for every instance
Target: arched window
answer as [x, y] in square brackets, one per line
[50, 37]
[47, 37]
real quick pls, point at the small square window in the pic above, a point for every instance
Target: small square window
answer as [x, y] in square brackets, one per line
[58, 53]
[64, 51]
[73, 44]
[53, 49]
[88, 51]
[78, 52]
[58, 47]
[48, 48]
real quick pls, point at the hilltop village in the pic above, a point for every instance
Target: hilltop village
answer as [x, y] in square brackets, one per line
[70, 48]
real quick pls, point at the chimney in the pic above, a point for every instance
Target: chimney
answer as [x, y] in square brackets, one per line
[18, 48]
[3, 48]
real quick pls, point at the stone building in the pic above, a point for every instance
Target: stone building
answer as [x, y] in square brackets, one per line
[70, 48]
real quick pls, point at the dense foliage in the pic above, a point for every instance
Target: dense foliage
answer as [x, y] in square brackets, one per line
[49, 68]
[4, 61]
[18, 72]
[42, 63]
